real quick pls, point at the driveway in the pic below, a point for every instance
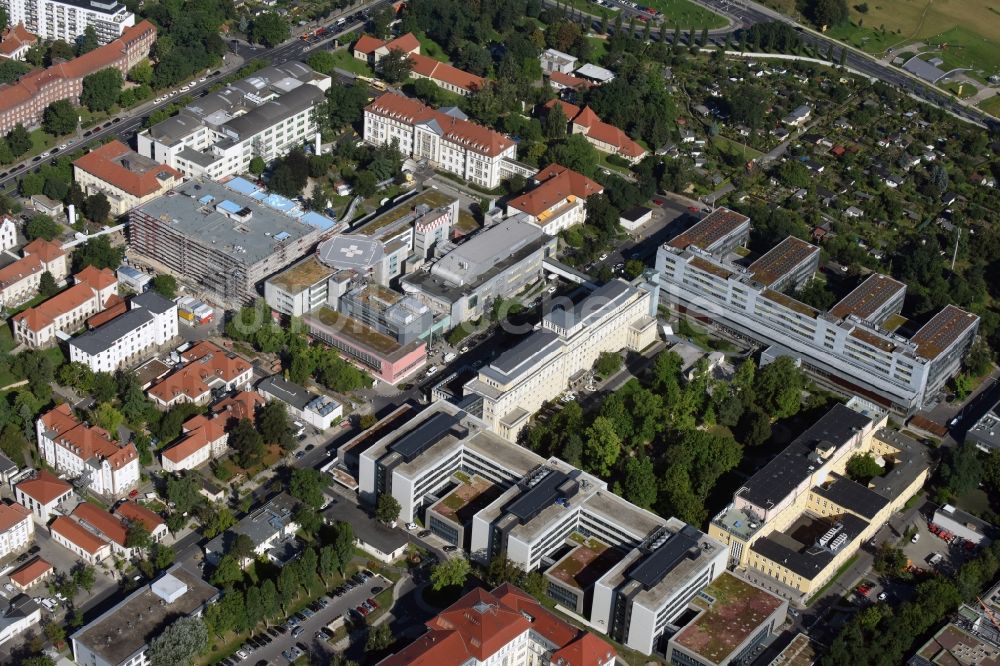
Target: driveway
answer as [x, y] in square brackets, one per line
[339, 606]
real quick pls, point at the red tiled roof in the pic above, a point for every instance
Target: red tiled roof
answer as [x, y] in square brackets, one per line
[86, 441]
[407, 43]
[243, 405]
[556, 184]
[16, 38]
[45, 250]
[367, 44]
[588, 650]
[30, 572]
[136, 513]
[115, 306]
[108, 163]
[482, 623]
[570, 81]
[12, 514]
[597, 129]
[442, 71]
[110, 527]
[468, 134]
[45, 487]
[75, 533]
[201, 432]
[205, 362]
[65, 301]
[98, 278]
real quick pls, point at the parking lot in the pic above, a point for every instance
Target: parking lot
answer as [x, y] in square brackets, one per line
[305, 636]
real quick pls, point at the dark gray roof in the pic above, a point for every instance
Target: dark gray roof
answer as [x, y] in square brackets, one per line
[266, 115]
[530, 502]
[288, 392]
[260, 525]
[635, 213]
[530, 346]
[655, 566]
[923, 69]
[852, 496]
[104, 337]
[424, 436]
[785, 472]
[806, 560]
[6, 464]
[366, 529]
[152, 301]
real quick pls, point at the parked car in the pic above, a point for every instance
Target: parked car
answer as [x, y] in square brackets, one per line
[297, 632]
[377, 589]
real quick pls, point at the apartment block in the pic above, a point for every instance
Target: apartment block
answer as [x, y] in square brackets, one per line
[124, 176]
[19, 280]
[150, 321]
[557, 199]
[265, 115]
[615, 316]
[121, 635]
[225, 238]
[478, 491]
[854, 348]
[207, 370]
[17, 529]
[87, 453]
[202, 439]
[799, 518]
[67, 311]
[24, 102]
[495, 263]
[447, 139]
[66, 20]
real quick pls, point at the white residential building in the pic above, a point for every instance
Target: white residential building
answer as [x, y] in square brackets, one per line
[68, 19]
[17, 529]
[203, 439]
[267, 527]
[265, 115]
[8, 233]
[151, 321]
[445, 138]
[514, 386]
[22, 614]
[557, 199]
[19, 280]
[89, 453]
[42, 495]
[80, 541]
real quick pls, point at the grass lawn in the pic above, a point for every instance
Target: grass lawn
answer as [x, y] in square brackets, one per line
[686, 14]
[344, 60]
[734, 147]
[991, 105]
[865, 38]
[961, 90]
[597, 49]
[975, 502]
[40, 141]
[6, 339]
[429, 47]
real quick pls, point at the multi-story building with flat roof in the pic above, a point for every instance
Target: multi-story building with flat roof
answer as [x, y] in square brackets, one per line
[265, 115]
[446, 139]
[615, 316]
[121, 635]
[481, 492]
[225, 238]
[853, 348]
[800, 517]
[66, 20]
[495, 263]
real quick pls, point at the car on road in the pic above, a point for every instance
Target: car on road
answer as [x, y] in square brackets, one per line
[432, 370]
[377, 589]
[603, 257]
[450, 549]
[116, 120]
[916, 538]
[464, 350]
[882, 596]
[88, 132]
[242, 654]
[299, 455]
[134, 492]
[411, 526]
[36, 158]
[423, 534]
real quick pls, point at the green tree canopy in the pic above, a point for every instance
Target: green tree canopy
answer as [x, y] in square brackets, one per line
[387, 509]
[269, 29]
[452, 572]
[101, 89]
[59, 118]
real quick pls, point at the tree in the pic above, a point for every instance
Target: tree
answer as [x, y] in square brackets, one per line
[247, 442]
[639, 482]
[42, 226]
[395, 66]
[54, 632]
[826, 13]
[269, 599]
[328, 563]
[576, 153]
[101, 89]
[343, 543]
[141, 73]
[275, 426]
[960, 470]
[257, 165]
[182, 640]
[345, 104]
[387, 509]
[452, 572]
[307, 485]
[323, 61]
[108, 417]
[47, 286]
[288, 585]
[19, 140]
[754, 427]
[889, 561]
[228, 570]
[269, 29]
[12, 70]
[84, 576]
[778, 388]
[59, 118]
[137, 536]
[242, 548]
[182, 491]
[601, 447]
[380, 22]
[165, 285]
[88, 41]
[554, 124]
[607, 364]
[862, 467]
[97, 208]
[379, 638]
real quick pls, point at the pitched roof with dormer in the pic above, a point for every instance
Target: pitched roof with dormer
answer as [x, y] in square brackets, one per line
[205, 365]
[597, 129]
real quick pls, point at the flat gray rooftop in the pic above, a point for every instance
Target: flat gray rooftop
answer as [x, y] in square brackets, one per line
[190, 210]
